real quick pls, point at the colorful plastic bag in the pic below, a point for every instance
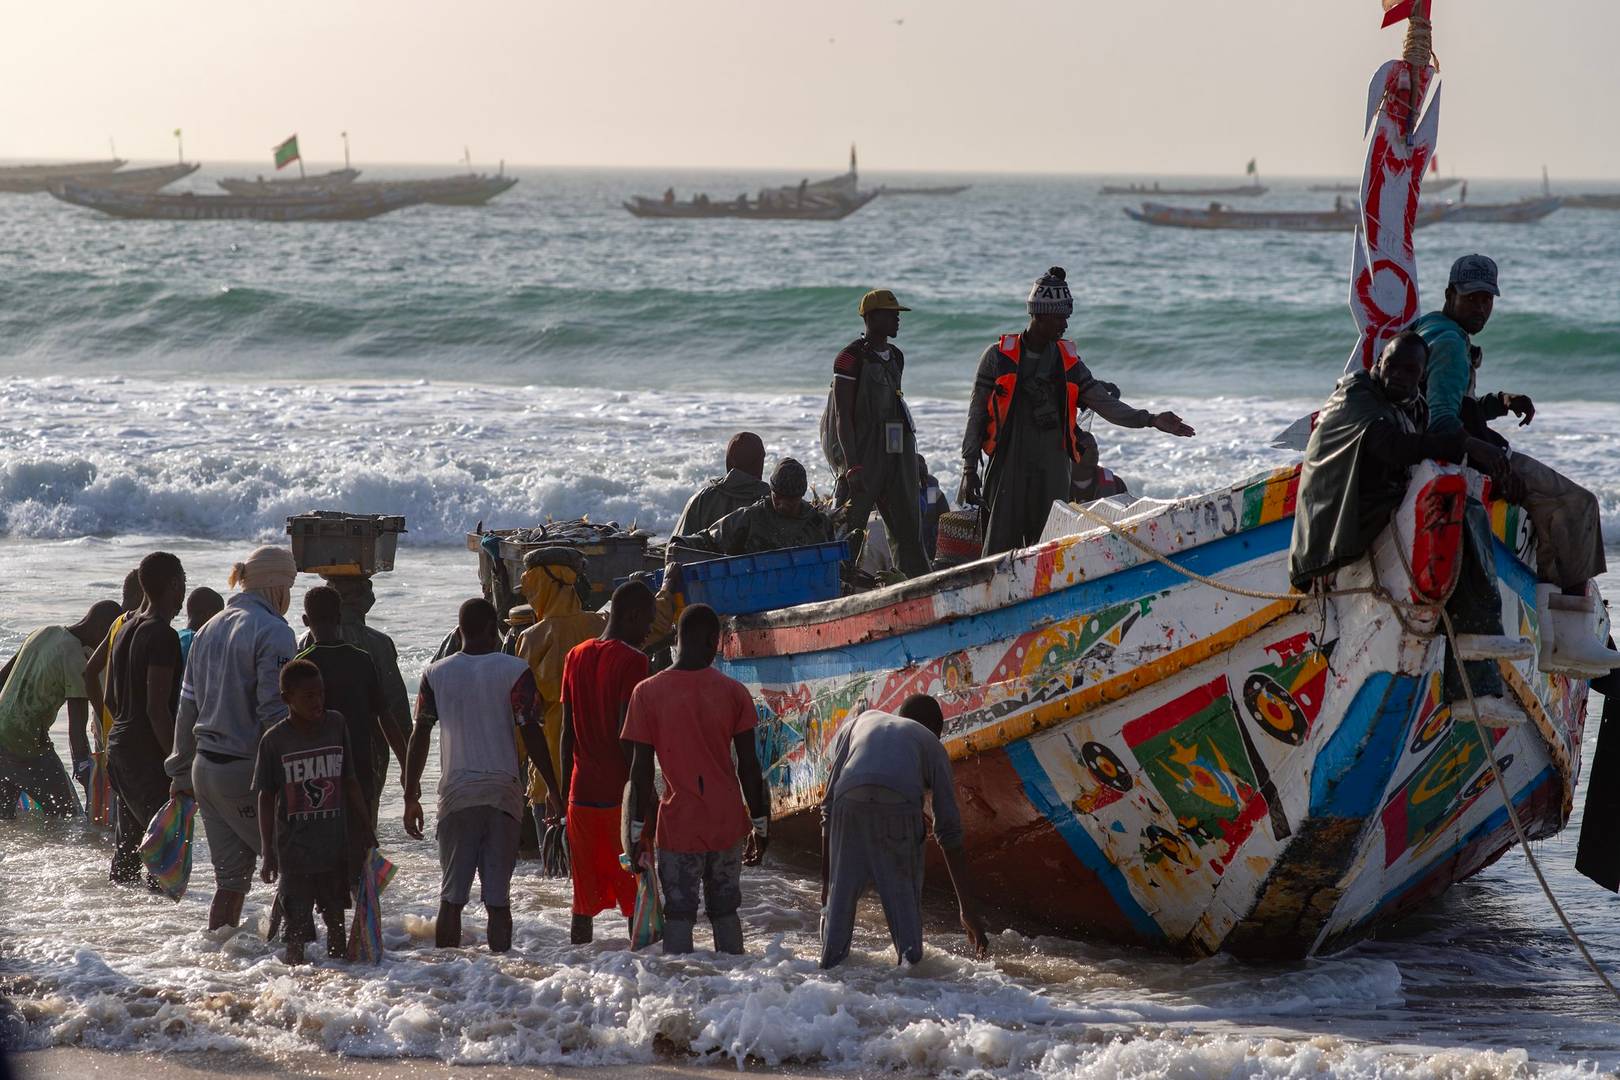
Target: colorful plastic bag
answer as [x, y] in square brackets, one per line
[365, 937]
[166, 849]
[100, 808]
[647, 920]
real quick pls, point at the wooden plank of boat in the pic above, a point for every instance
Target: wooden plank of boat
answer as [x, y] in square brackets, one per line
[1244, 191]
[191, 207]
[1220, 217]
[812, 209]
[1515, 213]
[27, 179]
[143, 180]
[1142, 757]
[1593, 202]
[291, 185]
[943, 189]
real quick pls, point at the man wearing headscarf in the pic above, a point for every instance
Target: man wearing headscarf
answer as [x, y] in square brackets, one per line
[783, 519]
[356, 598]
[551, 578]
[743, 485]
[231, 693]
[1027, 397]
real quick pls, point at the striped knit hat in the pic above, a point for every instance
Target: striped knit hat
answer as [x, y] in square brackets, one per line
[1050, 294]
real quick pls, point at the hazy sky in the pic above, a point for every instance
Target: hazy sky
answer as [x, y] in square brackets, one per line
[1077, 86]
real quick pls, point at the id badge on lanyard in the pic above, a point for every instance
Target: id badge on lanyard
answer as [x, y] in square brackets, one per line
[894, 436]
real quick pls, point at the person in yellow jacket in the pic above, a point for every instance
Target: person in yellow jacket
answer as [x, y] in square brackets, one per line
[552, 580]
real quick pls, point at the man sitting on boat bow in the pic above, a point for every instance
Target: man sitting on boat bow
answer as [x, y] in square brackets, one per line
[1567, 519]
[1367, 438]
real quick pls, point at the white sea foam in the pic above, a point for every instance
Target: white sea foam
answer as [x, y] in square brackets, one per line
[231, 461]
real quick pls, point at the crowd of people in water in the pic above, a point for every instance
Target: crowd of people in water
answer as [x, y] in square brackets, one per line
[558, 717]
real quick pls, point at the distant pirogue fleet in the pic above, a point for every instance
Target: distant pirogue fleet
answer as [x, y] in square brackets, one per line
[334, 196]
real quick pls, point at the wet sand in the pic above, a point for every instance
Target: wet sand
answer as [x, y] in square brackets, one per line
[63, 1063]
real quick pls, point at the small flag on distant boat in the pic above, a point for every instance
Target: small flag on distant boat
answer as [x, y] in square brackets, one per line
[1254, 167]
[287, 153]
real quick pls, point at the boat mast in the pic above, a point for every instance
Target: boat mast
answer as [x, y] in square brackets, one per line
[180, 147]
[345, 135]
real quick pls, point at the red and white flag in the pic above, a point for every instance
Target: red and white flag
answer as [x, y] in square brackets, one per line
[1396, 10]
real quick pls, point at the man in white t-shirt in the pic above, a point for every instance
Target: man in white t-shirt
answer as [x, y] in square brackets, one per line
[476, 697]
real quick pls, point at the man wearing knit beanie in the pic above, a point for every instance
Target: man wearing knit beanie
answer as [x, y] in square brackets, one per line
[1027, 397]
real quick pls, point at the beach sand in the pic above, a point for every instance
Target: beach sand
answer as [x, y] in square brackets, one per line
[81, 1064]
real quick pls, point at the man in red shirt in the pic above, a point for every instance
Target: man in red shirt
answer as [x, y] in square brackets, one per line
[693, 717]
[598, 677]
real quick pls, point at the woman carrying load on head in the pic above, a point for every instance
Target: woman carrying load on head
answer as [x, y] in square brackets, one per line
[230, 695]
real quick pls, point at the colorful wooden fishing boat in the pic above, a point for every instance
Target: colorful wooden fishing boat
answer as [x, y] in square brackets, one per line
[1515, 213]
[26, 179]
[1146, 758]
[142, 180]
[191, 207]
[319, 184]
[1216, 216]
[787, 208]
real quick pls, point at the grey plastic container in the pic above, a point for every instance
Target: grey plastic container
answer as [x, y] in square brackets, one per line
[334, 543]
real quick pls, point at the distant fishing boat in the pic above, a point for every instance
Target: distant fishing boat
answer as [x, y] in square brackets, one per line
[824, 200]
[27, 179]
[141, 180]
[1250, 190]
[943, 189]
[1439, 184]
[318, 184]
[1216, 216]
[191, 207]
[470, 189]
[1515, 213]
[1333, 189]
[1593, 202]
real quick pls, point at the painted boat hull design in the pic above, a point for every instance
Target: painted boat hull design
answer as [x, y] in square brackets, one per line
[189, 207]
[1182, 217]
[1147, 759]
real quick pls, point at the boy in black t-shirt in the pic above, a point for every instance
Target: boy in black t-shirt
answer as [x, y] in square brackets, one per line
[309, 799]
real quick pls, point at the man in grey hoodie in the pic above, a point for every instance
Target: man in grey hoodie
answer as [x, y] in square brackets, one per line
[743, 485]
[230, 695]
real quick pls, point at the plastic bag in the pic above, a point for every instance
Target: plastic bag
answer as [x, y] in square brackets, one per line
[166, 849]
[365, 937]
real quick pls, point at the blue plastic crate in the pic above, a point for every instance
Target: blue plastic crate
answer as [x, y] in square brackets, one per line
[744, 584]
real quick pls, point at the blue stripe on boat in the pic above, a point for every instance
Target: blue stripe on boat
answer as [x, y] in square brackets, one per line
[1004, 624]
[1044, 797]
[1353, 769]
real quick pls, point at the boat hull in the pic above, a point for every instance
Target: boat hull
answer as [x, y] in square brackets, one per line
[1518, 213]
[814, 209]
[189, 207]
[1181, 217]
[1245, 191]
[1144, 758]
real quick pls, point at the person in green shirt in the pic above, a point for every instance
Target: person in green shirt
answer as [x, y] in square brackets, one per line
[1567, 519]
[46, 672]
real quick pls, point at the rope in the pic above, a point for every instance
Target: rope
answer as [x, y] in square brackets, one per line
[1468, 690]
[1418, 49]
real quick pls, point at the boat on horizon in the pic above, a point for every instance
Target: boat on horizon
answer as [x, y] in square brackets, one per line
[1603, 201]
[189, 206]
[1216, 216]
[29, 179]
[941, 189]
[145, 180]
[1144, 758]
[1525, 211]
[320, 183]
[831, 199]
[1253, 189]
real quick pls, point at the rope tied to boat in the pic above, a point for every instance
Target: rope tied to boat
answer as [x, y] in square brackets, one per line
[1418, 49]
[1398, 606]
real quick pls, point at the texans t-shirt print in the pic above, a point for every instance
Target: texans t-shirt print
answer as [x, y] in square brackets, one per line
[305, 770]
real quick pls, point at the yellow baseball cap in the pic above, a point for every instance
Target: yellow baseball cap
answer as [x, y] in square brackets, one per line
[880, 300]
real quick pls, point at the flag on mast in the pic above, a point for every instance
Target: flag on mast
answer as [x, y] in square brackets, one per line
[1253, 168]
[287, 152]
[1396, 10]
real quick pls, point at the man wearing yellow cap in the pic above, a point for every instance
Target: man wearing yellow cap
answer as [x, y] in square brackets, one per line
[869, 437]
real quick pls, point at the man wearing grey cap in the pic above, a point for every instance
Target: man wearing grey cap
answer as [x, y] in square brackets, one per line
[1027, 397]
[1568, 524]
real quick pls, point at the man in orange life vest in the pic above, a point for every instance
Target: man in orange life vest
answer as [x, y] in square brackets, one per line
[1027, 398]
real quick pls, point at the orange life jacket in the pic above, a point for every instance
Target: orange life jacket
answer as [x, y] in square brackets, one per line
[1010, 350]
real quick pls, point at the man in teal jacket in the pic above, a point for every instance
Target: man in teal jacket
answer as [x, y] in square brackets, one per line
[1568, 524]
